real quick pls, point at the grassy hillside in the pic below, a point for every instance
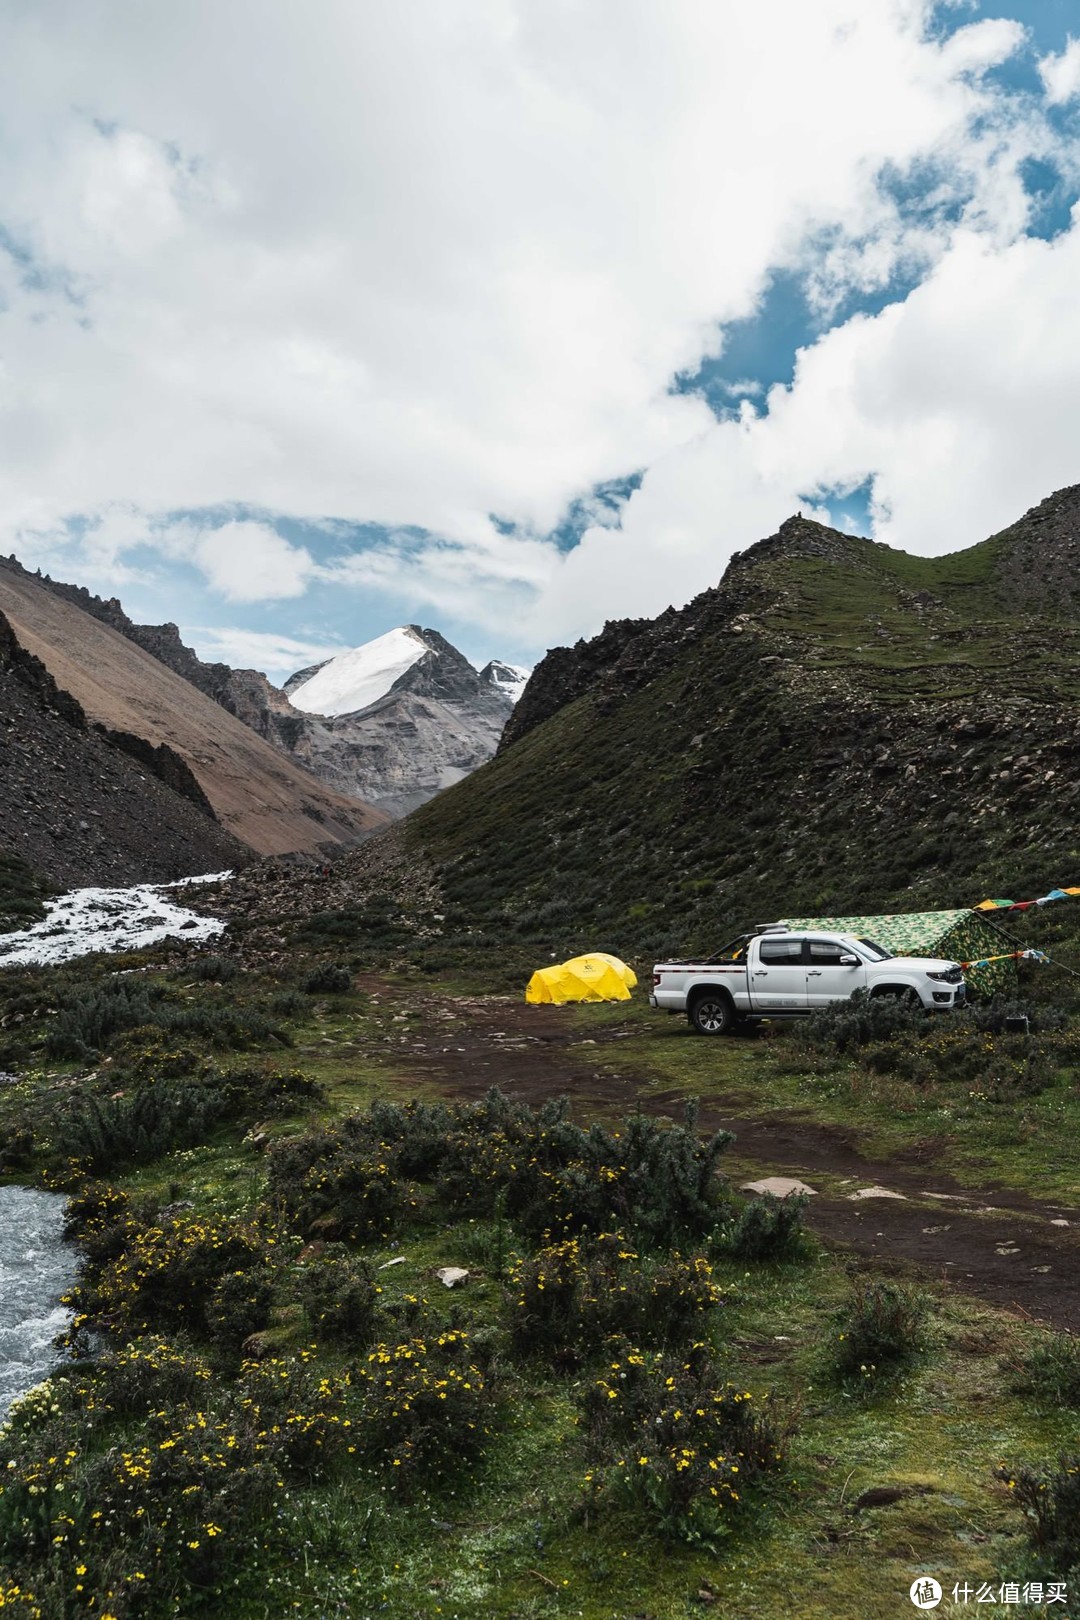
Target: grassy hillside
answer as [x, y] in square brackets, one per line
[838, 727]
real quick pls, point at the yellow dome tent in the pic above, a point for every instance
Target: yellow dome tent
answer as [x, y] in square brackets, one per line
[593, 977]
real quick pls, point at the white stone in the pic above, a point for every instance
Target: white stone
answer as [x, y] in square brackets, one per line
[452, 1276]
[779, 1186]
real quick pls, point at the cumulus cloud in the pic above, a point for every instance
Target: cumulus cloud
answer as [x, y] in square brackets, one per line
[417, 265]
[277, 656]
[1060, 73]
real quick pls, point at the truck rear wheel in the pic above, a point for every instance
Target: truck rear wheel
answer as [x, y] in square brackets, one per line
[711, 1013]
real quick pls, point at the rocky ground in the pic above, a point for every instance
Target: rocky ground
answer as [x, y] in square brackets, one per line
[78, 808]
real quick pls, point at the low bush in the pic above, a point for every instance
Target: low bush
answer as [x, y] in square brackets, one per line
[1049, 1499]
[1050, 1372]
[766, 1228]
[677, 1442]
[326, 1189]
[861, 1020]
[240, 1306]
[154, 1276]
[882, 1329]
[214, 970]
[331, 979]
[340, 1296]
[549, 1177]
[427, 1408]
[572, 1295]
[94, 1015]
[114, 1132]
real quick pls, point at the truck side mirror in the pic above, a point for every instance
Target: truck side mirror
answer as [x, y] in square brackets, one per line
[847, 960]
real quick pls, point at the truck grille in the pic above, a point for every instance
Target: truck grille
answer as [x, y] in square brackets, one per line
[954, 975]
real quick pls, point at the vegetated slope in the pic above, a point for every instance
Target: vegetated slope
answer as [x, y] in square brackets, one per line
[77, 807]
[837, 727]
[262, 798]
[413, 727]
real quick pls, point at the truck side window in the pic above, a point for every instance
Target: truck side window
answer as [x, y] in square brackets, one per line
[780, 949]
[825, 951]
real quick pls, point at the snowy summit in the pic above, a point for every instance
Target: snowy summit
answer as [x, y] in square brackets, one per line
[354, 679]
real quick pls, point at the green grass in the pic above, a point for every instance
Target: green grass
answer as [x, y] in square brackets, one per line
[513, 1539]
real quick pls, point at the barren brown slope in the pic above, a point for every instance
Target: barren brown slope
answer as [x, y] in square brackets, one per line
[262, 798]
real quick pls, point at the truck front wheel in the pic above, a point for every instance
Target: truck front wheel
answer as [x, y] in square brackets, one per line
[711, 1013]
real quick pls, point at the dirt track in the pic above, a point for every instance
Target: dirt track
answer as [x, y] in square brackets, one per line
[1002, 1248]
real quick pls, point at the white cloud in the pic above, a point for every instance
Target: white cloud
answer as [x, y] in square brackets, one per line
[961, 403]
[420, 264]
[1060, 73]
[277, 656]
[251, 562]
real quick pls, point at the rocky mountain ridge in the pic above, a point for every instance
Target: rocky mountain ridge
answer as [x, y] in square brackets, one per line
[432, 726]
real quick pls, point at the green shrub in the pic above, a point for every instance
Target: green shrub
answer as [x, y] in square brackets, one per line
[882, 1329]
[339, 1293]
[331, 979]
[1049, 1499]
[677, 1442]
[427, 1409]
[766, 1228]
[859, 1021]
[94, 1015]
[153, 1276]
[327, 1189]
[114, 1132]
[214, 970]
[83, 1027]
[289, 1004]
[572, 1295]
[240, 1306]
[1050, 1373]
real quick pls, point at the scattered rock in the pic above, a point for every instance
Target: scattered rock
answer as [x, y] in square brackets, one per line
[452, 1276]
[780, 1187]
[398, 1260]
[874, 1192]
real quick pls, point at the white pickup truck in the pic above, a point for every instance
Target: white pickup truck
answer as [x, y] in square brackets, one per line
[776, 974]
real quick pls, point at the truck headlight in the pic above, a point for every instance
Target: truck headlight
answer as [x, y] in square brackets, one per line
[943, 975]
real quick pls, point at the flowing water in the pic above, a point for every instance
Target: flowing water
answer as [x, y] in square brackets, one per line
[36, 1266]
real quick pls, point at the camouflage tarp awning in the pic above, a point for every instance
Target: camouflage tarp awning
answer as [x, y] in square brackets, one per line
[960, 936]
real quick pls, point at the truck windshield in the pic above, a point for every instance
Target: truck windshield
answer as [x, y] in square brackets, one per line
[876, 952]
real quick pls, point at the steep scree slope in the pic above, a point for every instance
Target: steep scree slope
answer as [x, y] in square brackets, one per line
[836, 726]
[259, 796]
[80, 808]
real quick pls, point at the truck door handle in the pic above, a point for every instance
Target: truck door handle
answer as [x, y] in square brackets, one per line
[762, 973]
[813, 973]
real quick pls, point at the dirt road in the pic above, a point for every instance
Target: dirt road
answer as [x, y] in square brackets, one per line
[1002, 1247]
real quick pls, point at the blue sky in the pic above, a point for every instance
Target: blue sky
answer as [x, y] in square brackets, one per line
[504, 323]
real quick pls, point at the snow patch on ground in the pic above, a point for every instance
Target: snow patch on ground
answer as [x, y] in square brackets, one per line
[86, 920]
[354, 679]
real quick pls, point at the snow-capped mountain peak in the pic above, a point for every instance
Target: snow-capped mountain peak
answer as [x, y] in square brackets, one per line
[353, 679]
[509, 680]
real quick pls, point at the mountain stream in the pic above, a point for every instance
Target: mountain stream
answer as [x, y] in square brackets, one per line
[36, 1267]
